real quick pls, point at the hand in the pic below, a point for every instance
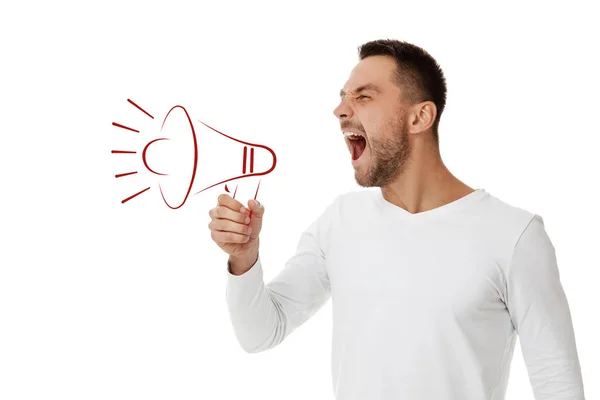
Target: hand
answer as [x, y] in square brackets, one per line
[232, 229]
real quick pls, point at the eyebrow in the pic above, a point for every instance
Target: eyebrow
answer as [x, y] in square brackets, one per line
[368, 86]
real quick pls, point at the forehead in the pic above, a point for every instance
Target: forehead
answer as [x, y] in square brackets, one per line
[375, 72]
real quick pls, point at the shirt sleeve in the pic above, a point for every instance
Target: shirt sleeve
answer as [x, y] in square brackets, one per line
[540, 314]
[263, 315]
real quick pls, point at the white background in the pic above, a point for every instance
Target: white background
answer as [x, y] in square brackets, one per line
[103, 300]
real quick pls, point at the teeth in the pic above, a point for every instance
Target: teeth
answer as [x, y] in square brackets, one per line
[353, 136]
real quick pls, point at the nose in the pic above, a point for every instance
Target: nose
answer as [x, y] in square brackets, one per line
[343, 111]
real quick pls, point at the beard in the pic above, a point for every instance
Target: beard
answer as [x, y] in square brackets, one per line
[388, 158]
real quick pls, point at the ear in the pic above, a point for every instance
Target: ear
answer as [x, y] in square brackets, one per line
[422, 117]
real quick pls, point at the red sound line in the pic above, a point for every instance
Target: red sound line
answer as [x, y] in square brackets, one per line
[244, 162]
[128, 173]
[131, 197]
[236, 186]
[252, 160]
[140, 108]
[123, 152]
[125, 127]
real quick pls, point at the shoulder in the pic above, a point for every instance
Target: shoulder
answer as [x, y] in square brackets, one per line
[345, 206]
[507, 219]
[354, 200]
[504, 226]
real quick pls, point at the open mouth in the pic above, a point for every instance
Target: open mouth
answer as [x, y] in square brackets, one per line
[357, 144]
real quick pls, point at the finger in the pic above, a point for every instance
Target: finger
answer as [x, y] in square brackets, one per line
[257, 208]
[229, 226]
[228, 237]
[227, 201]
[222, 212]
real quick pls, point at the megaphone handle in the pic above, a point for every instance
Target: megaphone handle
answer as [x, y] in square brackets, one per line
[255, 194]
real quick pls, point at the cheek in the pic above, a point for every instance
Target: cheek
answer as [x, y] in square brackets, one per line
[372, 123]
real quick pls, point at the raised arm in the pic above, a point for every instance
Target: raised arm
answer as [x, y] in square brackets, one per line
[264, 315]
[540, 314]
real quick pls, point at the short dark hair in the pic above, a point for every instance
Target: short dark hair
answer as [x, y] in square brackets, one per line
[417, 73]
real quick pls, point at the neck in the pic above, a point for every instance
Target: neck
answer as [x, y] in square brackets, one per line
[425, 182]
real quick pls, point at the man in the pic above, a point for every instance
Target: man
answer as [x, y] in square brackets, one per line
[430, 279]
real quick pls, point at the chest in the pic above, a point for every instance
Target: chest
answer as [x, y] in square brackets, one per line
[411, 270]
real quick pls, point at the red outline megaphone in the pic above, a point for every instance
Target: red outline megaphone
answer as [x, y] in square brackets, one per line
[248, 153]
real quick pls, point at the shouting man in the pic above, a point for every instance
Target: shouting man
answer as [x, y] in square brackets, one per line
[431, 280]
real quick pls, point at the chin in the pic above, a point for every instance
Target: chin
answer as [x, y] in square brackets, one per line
[363, 178]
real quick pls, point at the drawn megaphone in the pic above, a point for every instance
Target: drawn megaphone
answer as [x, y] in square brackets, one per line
[187, 158]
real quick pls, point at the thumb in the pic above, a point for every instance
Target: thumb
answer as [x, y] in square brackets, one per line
[257, 208]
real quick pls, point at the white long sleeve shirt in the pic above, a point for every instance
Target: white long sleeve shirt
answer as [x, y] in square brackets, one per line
[425, 306]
